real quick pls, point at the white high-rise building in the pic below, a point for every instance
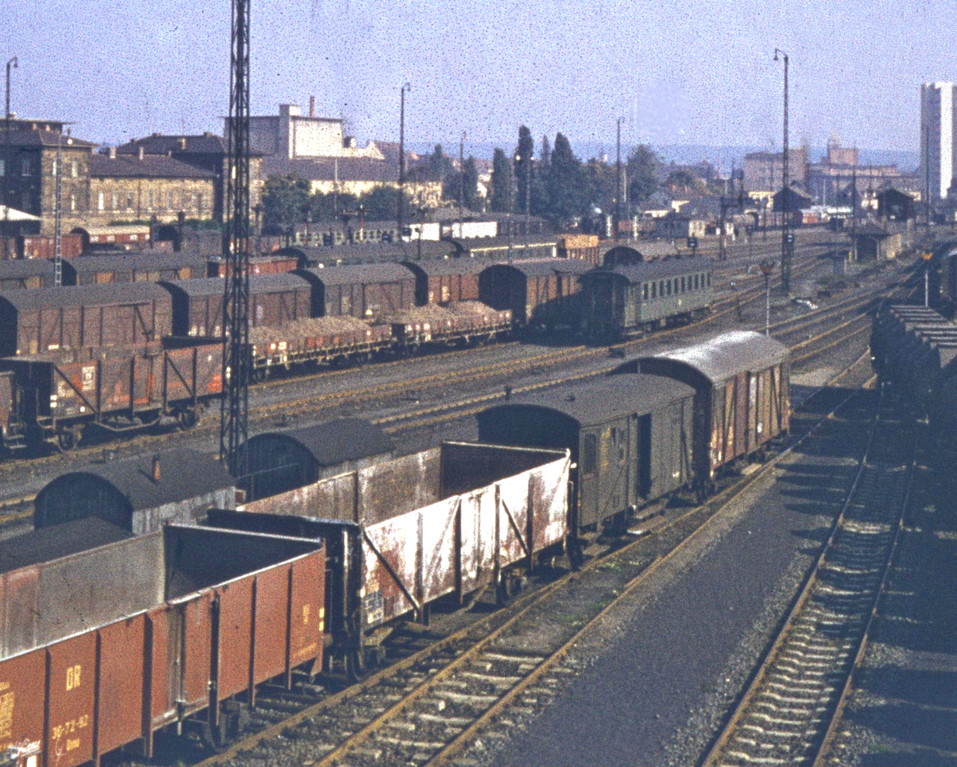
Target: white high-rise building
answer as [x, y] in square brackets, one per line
[937, 133]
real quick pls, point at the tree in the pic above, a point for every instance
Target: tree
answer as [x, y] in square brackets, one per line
[440, 165]
[565, 184]
[330, 207]
[380, 203]
[642, 173]
[285, 200]
[546, 154]
[501, 192]
[523, 166]
[452, 188]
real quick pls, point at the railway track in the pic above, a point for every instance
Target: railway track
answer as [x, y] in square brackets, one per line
[428, 707]
[785, 715]
[265, 415]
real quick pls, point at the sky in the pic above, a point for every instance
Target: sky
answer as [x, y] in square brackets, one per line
[689, 72]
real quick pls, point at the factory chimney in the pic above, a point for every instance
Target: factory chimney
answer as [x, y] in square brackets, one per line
[312, 106]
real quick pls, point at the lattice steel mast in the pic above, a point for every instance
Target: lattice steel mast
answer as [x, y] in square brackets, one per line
[236, 238]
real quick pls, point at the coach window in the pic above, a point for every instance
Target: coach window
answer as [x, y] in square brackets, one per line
[644, 291]
[589, 454]
[683, 284]
[709, 280]
[676, 284]
[654, 290]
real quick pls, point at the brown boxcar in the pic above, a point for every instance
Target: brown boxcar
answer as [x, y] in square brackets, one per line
[539, 293]
[366, 291]
[133, 267]
[274, 299]
[81, 318]
[125, 237]
[44, 246]
[446, 280]
[216, 267]
[449, 520]
[34, 273]
[118, 389]
[192, 617]
[742, 394]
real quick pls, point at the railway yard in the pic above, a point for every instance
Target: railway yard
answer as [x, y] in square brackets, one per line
[792, 610]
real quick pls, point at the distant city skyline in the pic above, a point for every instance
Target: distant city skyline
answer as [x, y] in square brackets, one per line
[698, 73]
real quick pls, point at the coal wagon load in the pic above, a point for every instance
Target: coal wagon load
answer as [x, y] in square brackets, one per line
[120, 389]
[629, 439]
[78, 319]
[619, 301]
[915, 348]
[540, 294]
[445, 521]
[274, 299]
[742, 395]
[192, 618]
[318, 340]
[139, 495]
[434, 325]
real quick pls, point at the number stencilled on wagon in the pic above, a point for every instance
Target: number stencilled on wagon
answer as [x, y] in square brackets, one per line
[374, 606]
[73, 677]
[88, 377]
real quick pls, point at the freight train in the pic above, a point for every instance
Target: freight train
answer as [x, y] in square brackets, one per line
[312, 573]
[915, 348]
[124, 355]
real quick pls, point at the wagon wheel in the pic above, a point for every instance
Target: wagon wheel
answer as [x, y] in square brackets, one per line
[576, 554]
[260, 375]
[187, 418]
[509, 586]
[68, 439]
[355, 663]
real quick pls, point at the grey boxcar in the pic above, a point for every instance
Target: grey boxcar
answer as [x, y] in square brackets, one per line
[284, 460]
[141, 494]
[629, 439]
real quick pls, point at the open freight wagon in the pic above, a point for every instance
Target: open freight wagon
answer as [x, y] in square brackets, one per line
[193, 617]
[55, 397]
[451, 520]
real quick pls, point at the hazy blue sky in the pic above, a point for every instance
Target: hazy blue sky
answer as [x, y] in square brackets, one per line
[690, 72]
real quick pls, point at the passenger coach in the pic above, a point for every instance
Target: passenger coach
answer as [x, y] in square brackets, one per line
[621, 300]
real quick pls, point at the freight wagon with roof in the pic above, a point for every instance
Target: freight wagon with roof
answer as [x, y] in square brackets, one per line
[742, 399]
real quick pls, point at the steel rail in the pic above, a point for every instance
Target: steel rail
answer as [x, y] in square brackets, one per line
[526, 602]
[766, 665]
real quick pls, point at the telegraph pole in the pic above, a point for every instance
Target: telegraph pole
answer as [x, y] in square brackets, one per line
[787, 239]
[400, 216]
[7, 157]
[234, 412]
[618, 184]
